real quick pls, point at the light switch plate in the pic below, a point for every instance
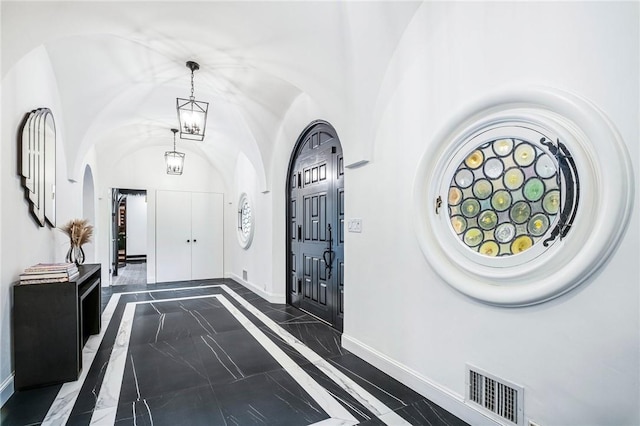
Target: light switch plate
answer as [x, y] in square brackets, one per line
[354, 225]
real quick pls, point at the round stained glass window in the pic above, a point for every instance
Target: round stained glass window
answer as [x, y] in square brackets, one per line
[245, 221]
[500, 212]
[496, 196]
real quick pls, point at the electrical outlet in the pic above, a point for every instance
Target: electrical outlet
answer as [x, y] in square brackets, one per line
[354, 225]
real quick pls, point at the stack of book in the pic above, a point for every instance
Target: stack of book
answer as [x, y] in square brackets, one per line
[49, 273]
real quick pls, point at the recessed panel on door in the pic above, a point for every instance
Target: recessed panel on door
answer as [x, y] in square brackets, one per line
[173, 235]
[206, 232]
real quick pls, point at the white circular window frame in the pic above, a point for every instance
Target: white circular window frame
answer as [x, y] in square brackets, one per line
[606, 199]
[245, 240]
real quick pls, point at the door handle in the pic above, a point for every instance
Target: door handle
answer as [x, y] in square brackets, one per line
[188, 241]
[329, 252]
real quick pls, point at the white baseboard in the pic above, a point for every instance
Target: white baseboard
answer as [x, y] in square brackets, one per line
[445, 398]
[6, 390]
[268, 296]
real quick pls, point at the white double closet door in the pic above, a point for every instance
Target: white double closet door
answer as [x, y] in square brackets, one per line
[189, 236]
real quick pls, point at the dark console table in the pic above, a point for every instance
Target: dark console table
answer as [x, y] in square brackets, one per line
[51, 323]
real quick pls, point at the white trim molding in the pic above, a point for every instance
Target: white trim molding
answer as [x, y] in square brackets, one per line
[606, 194]
[450, 401]
[268, 296]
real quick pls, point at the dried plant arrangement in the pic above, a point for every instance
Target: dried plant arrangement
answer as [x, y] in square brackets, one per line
[79, 232]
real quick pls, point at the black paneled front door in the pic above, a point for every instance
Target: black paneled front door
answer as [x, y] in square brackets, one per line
[316, 225]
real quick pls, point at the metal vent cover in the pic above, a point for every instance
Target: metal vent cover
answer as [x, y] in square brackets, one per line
[497, 397]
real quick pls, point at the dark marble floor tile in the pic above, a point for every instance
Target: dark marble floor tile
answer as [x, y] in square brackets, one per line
[114, 325]
[28, 407]
[152, 308]
[385, 388]
[286, 348]
[193, 406]
[80, 419]
[271, 398]
[322, 339]
[246, 294]
[357, 409]
[171, 326]
[286, 314]
[199, 291]
[262, 303]
[425, 412]
[153, 369]
[112, 328]
[373, 422]
[232, 356]
[88, 395]
[201, 376]
[218, 318]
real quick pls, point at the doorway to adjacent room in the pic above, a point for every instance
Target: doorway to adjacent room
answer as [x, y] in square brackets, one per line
[129, 236]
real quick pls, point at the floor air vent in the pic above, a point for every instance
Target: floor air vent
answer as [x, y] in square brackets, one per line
[499, 398]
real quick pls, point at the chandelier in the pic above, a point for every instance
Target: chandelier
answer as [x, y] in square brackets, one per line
[192, 114]
[174, 159]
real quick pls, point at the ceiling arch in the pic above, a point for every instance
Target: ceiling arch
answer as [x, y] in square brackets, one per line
[120, 65]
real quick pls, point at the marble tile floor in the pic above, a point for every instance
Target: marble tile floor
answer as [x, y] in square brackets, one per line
[212, 352]
[131, 273]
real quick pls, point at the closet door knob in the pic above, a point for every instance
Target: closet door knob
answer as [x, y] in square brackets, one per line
[195, 241]
[188, 241]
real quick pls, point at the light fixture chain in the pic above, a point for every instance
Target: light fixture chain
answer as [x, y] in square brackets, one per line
[192, 97]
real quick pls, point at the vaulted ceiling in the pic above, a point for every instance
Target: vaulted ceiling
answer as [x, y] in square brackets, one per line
[120, 65]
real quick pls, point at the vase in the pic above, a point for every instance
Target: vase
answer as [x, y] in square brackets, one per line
[75, 255]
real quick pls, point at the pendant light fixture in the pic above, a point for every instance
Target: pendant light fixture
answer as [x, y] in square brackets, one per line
[174, 159]
[192, 114]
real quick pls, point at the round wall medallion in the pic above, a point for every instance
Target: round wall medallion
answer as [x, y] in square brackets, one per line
[508, 195]
[245, 221]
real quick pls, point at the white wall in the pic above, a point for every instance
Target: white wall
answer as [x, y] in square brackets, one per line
[576, 356]
[254, 259]
[30, 84]
[145, 169]
[89, 212]
[302, 112]
[136, 225]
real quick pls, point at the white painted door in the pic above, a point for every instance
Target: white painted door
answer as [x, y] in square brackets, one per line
[173, 236]
[207, 235]
[189, 236]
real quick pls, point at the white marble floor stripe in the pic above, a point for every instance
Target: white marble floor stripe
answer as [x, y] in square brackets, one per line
[161, 290]
[62, 406]
[107, 402]
[331, 422]
[313, 388]
[358, 392]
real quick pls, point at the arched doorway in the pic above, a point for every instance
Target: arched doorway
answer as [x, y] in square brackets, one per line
[315, 231]
[89, 210]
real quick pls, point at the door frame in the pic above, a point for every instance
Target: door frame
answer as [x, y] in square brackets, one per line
[294, 155]
[118, 196]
